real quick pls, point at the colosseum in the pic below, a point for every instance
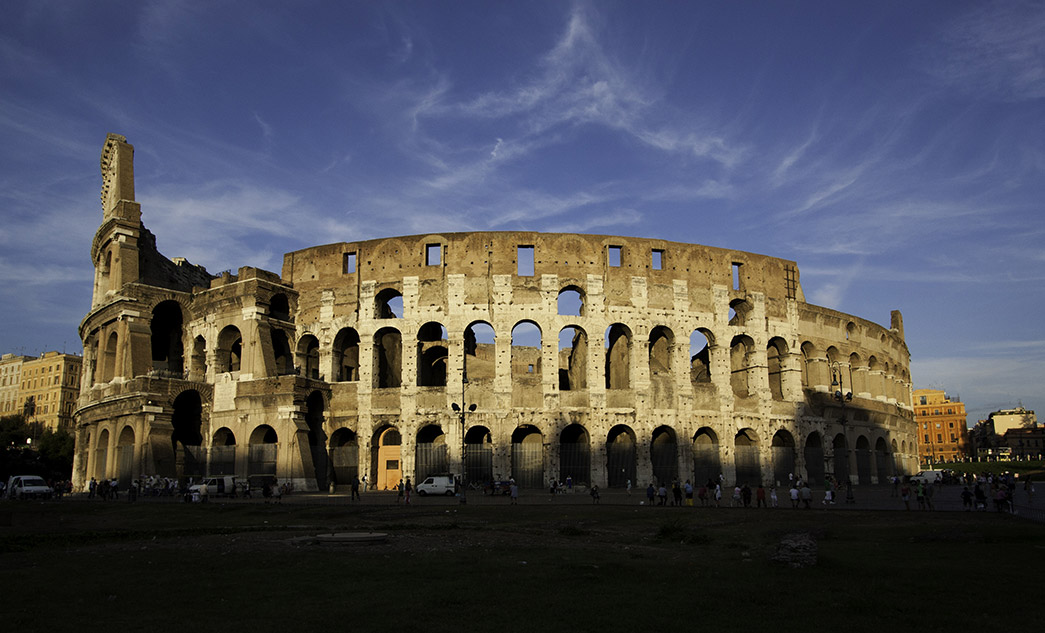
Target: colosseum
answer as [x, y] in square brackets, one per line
[489, 355]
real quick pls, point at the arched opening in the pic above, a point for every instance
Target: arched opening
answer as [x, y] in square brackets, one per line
[575, 454]
[573, 359]
[479, 353]
[430, 453]
[223, 452]
[478, 455]
[813, 454]
[858, 372]
[664, 455]
[388, 357]
[863, 461]
[571, 301]
[261, 455]
[783, 448]
[386, 466]
[198, 372]
[621, 457]
[841, 458]
[618, 355]
[809, 360]
[125, 457]
[279, 307]
[707, 461]
[166, 331]
[317, 438]
[229, 349]
[662, 380]
[739, 310]
[281, 353]
[308, 357]
[187, 439]
[526, 365]
[528, 457]
[344, 456]
[776, 352]
[740, 363]
[883, 461]
[101, 455]
[432, 354]
[109, 357]
[388, 304]
[346, 355]
[699, 358]
[746, 458]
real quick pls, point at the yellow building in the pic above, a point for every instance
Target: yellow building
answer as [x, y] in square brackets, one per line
[942, 429]
[11, 384]
[50, 386]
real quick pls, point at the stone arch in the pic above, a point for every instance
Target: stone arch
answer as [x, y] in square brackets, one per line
[621, 456]
[570, 301]
[618, 356]
[229, 350]
[308, 356]
[528, 456]
[344, 456]
[101, 454]
[388, 304]
[841, 457]
[573, 358]
[478, 455]
[526, 355]
[165, 330]
[187, 437]
[776, 357]
[386, 464]
[858, 374]
[480, 340]
[813, 454]
[810, 358]
[575, 454]
[883, 461]
[740, 362]
[783, 449]
[700, 342]
[432, 355]
[262, 452]
[739, 310]
[222, 456]
[707, 460]
[864, 461]
[388, 359]
[430, 452]
[125, 466]
[110, 356]
[664, 455]
[279, 307]
[661, 367]
[346, 355]
[281, 353]
[746, 457]
[315, 416]
[198, 369]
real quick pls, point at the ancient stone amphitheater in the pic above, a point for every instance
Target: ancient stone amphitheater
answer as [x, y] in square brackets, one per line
[501, 355]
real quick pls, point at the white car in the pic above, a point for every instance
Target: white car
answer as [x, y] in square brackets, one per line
[927, 476]
[28, 487]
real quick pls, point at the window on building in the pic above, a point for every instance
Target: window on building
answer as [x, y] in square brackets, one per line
[926, 439]
[736, 275]
[433, 254]
[524, 261]
[350, 263]
[613, 255]
[657, 259]
[939, 437]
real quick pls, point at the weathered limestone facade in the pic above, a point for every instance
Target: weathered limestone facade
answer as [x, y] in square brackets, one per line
[633, 359]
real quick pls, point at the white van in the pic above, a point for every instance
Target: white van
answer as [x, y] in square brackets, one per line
[28, 487]
[927, 476]
[437, 485]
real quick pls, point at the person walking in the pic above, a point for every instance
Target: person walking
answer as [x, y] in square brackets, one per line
[650, 493]
[513, 490]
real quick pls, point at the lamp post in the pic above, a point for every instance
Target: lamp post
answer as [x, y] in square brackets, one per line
[842, 398]
[462, 409]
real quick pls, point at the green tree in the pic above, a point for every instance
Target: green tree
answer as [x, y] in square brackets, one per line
[13, 431]
[56, 451]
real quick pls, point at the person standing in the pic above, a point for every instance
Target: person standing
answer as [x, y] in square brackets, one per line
[760, 496]
[594, 495]
[650, 493]
[513, 490]
[408, 489]
[399, 491]
[807, 496]
[772, 497]
[355, 488]
[688, 490]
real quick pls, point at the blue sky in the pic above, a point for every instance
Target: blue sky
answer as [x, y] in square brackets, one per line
[895, 150]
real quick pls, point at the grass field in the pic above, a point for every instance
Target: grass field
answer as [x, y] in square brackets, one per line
[84, 566]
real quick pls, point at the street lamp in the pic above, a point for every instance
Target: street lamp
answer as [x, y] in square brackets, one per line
[462, 409]
[842, 398]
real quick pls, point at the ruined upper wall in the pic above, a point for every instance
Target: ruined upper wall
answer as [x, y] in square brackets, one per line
[117, 165]
[571, 257]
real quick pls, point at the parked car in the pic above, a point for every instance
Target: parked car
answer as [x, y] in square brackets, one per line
[28, 487]
[225, 485]
[928, 476]
[437, 485]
